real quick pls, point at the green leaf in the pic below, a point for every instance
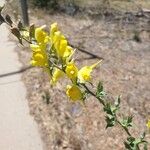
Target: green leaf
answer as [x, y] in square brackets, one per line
[110, 120]
[16, 33]
[100, 87]
[20, 25]
[8, 20]
[107, 109]
[127, 122]
[1, 8]
[143, 136]
[2, 20]
[130, 143]
[117, 102]
[110, 109]
[32, 32]
[100, 90]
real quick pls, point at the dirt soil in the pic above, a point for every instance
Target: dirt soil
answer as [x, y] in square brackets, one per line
[124, 46]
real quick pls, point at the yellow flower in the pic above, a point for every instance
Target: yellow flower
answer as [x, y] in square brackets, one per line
[71, 70]
[35, 48]
[39, 59]
[53, 29]
[68, 52]
[84, 73]
[41, 47]
[40, 34]
[57, 75]
[57, 39]
[148, 124]
[62, 48]
[74, 93]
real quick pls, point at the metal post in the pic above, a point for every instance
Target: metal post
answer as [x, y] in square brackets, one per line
[24, 9]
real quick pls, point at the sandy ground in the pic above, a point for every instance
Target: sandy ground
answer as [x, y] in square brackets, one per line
[18, 131]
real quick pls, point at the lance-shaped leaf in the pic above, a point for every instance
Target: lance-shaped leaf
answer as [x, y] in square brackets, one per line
[20, 25]
[133, 143]
[32, 31]
[127, 121]
[117, 102]
[1, 8]
[130, 143]
[110, 109]
[100, 90]
[2, 20]
[8, 20]
[110, 120]
[16, 32]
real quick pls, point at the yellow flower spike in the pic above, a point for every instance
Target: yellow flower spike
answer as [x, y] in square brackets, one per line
[84, 74]
[39, 59]
[74, 93]
[40, 34]
[71, 70]
[148, 124]
[56, 76]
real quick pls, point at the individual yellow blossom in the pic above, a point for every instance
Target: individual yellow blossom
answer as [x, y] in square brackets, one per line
[62, 48]
[74, 92]
[35, 47]
[68, 52]
[57, 39]
[148, 124]
[57, 75]
[39, 59]
[53, 29]
[84, 73]
[71, 70]
[40, 34]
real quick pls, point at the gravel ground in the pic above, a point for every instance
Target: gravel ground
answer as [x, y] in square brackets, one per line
[125, 71]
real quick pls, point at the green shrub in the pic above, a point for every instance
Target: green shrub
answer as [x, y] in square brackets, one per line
[46, 3]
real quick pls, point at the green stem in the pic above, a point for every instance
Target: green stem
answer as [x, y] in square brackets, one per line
[126, 129]
[93, 94]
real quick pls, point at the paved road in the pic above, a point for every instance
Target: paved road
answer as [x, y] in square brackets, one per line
[18, 131]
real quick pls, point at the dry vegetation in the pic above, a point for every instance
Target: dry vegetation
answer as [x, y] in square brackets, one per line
[125, 48]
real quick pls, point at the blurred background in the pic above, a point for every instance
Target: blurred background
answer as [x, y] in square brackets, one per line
[117, 31]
